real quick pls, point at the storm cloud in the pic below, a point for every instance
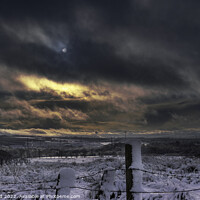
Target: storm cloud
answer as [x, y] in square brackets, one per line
[132, 62]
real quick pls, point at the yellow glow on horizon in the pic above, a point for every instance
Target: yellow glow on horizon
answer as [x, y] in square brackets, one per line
[38, 84]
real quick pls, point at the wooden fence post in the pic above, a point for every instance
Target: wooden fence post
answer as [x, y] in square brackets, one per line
[107, 185]
[129, 174]
[133, 176]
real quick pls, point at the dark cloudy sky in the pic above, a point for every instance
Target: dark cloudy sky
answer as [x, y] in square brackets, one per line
[106, 65]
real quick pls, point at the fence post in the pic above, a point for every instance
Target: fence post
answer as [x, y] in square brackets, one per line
[66, 180]
[129, 175]
[133, 177]
[107, 185]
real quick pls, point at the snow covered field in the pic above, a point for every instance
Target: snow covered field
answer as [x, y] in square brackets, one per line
[38, 177]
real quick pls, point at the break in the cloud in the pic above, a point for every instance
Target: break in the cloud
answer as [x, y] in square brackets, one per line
[106, 65]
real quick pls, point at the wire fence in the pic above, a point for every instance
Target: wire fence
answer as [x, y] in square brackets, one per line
[100, 172]
[26, 182]
[97, 190]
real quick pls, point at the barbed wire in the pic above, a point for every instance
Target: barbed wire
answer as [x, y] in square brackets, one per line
[98, 172]
[138, 192]
[97, 190]
[163, 173]
[143, 170]
[153, 172]
[37, 182]
[82, 177]
[101, 171]
[49, 181]
[27, 190]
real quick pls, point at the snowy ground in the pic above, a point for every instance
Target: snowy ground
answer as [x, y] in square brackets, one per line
[38, 177]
